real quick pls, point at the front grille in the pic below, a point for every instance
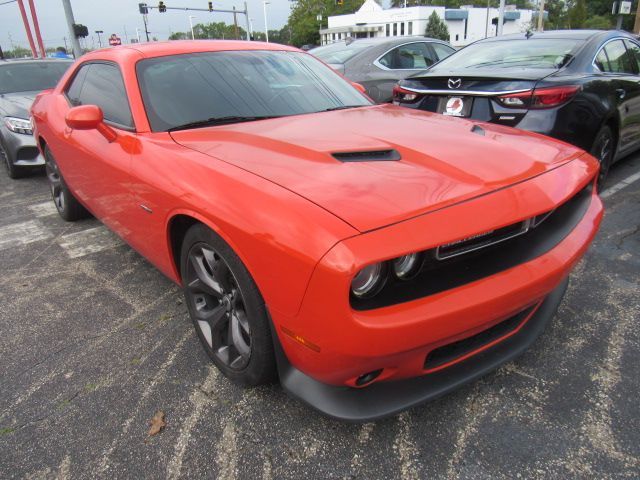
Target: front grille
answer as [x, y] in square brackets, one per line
[450, 352]
[462, 264]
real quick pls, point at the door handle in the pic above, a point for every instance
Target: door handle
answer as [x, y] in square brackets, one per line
[621, 93]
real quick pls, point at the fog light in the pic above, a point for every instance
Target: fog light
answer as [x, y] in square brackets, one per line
[408, 266]
[362, 380]
[368, 281]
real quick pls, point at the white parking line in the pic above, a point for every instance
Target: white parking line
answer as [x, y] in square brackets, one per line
[17, 234]
[88, 241]
[43, 209]
[620, 185]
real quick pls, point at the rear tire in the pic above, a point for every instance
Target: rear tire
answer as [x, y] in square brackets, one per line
[67, 205]
[12, 170]
[226, 308]
[603, 150]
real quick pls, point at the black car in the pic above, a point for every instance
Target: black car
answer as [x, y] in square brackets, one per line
[580, 86]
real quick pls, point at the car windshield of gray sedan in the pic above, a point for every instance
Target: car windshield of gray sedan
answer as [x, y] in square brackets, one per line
[216, 88]
[30, 76]
[532, 53]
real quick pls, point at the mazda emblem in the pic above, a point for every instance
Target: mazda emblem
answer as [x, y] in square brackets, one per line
[454, 83]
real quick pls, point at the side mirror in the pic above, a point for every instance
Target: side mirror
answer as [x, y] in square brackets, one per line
[359, 87]
[89, 117]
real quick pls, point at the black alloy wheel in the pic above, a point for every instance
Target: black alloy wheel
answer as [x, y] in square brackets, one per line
[603, 150]
[67, 205]
[226, 308]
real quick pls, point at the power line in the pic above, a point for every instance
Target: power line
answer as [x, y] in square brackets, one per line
[9, 1]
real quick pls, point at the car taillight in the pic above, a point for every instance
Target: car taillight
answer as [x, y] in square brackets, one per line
[404, 96]
[539, 97]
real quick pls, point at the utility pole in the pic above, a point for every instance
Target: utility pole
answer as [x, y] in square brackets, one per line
[191, 17]
[126, 38]
[99, 39]
[64, 39]
[235, 23]
[249, 26]
[266, 28]
[500, 18]
[541, 16]
[68, 13]
[636, 25]
[486, 25]
[138, 34]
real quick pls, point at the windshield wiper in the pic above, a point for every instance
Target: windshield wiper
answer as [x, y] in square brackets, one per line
[341, 107]
[213, 121]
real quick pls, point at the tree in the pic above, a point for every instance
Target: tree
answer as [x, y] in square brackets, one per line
[436, 28]
[598, 22]
[178, 36]
[305, 28]
[578, 14]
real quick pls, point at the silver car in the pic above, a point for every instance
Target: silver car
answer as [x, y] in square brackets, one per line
[20, 82]
[379, 63]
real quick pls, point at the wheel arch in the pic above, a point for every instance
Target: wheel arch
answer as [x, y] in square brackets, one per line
[178, 224]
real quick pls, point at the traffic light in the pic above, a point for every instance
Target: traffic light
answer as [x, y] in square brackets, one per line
[162, 7]
[211, 6]
[143, 8]
[80, 30]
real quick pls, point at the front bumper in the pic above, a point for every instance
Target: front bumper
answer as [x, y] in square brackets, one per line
[22, 150]
[334, 345]
[387, 398]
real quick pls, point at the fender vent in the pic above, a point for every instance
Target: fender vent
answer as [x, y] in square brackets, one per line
[370, 156]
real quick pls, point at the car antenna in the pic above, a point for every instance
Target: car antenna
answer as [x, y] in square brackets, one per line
[529, 34]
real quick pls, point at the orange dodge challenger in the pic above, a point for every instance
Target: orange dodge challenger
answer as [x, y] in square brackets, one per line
[371, 256]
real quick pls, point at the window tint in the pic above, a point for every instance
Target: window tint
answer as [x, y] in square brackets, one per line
[619, 59]
[634, 53]
[181, 89]
[442, 51]
[602, 62]
[339, 52]
[413, 55]
[103, 86]
[74, 89]
[30, 76]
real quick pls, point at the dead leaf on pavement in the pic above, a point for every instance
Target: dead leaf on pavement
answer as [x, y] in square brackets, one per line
[157, 423]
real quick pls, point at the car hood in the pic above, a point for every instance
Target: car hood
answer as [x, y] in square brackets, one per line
[16, 104]
[443, 160]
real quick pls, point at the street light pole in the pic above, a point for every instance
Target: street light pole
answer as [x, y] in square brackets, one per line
[264, 9]
[99, 39]
[191, 17]
[68, 13]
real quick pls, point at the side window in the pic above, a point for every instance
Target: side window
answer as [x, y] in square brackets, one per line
[104, 87]
[413, 55]
[602, 62]
[619, 58]
[75, 87]
[634, 53]
[442, 51]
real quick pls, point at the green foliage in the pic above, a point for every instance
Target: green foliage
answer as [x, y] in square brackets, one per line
[436, 28]
[302, 19]
[578, 14]
[598, 22]
[17, 52]
[216, 30]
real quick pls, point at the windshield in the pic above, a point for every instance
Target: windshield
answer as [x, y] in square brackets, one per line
[31, 76]
[532, 53]
[179, 90]
[339, 52]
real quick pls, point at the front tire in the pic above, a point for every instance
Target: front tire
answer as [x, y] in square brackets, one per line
[67, 205]
[226, 308]
[13, 171]
[603, 149]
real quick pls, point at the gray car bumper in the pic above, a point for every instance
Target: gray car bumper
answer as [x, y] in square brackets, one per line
[21, 149]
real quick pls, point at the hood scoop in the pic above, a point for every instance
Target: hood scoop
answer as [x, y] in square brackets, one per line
[367, 156]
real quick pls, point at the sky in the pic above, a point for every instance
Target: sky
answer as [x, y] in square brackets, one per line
[114, 16]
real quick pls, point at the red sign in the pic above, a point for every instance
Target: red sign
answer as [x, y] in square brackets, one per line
[114, 40]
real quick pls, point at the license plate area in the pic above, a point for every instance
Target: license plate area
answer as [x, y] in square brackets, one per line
[455, 106]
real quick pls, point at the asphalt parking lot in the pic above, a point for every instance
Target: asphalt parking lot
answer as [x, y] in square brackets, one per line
[94, 341]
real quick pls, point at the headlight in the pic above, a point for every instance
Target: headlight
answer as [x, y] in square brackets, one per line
[369, 280]
[408, 266]
[18, 125]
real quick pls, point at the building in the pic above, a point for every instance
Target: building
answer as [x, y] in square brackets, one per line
[466, 24]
